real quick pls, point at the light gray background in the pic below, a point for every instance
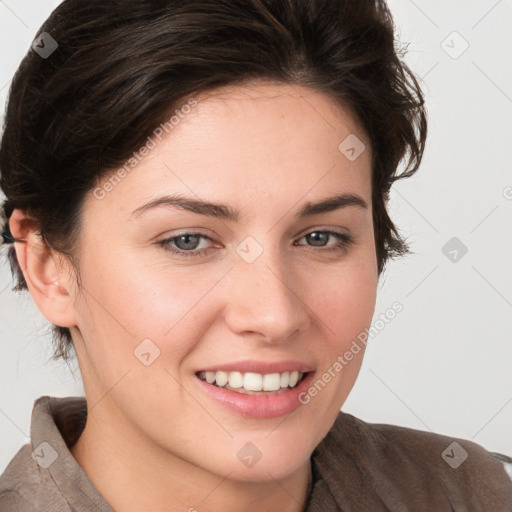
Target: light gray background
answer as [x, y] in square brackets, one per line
[444, 363]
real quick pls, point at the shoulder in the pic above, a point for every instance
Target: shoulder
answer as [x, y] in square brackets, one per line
[11, 501]
[12, 495]
[30, 481]
[395, 444]
[24, 488]
[410, 464]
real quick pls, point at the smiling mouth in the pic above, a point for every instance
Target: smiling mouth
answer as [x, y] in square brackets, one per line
[250, 383]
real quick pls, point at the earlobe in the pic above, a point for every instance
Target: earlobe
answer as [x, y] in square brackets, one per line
[47, 277]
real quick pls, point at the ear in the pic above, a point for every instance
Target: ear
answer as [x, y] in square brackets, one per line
[47, 273]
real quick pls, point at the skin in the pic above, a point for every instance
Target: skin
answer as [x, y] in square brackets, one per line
[264, 150]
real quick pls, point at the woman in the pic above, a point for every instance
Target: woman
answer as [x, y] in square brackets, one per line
[196, 200]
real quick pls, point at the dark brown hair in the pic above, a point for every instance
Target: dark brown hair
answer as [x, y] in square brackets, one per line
[121, 66]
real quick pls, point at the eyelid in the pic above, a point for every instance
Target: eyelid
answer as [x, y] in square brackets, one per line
[332, 229]
[344, 241]
[202, 234]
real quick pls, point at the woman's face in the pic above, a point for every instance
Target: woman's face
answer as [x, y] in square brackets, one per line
[256, 287]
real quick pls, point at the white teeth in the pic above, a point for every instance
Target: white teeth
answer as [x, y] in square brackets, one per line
[221, 378]
[236, 380]
[271, 382]
[251, 381]
[294, 377]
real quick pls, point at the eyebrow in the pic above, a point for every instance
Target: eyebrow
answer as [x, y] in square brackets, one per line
[225, 212]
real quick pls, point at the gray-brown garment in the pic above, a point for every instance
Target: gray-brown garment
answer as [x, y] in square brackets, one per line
[358, 467]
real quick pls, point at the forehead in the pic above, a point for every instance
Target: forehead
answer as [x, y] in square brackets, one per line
[282, 115]
[252, 142]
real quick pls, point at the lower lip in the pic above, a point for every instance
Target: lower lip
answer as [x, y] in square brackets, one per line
[258, 406]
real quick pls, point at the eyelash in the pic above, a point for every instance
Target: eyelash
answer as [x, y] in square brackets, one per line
[344, 241]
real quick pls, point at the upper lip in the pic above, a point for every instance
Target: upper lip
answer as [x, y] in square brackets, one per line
[263, 367]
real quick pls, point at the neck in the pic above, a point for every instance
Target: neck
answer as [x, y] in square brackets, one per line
[121, 458]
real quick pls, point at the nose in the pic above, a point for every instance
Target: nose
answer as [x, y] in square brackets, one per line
[265, 300]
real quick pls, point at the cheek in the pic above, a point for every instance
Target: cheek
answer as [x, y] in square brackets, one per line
[126, 301]
[345, 299]
[345, 303]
